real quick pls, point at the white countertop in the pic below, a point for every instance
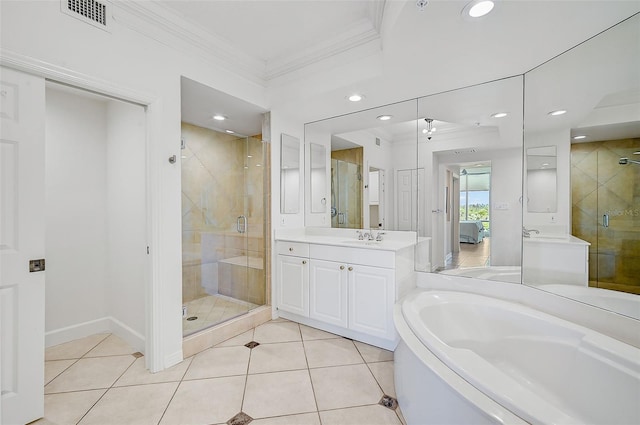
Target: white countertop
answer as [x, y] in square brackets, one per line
[392, 240]
[555, 238]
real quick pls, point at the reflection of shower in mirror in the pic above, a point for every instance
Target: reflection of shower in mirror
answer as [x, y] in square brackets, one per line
[625, 161]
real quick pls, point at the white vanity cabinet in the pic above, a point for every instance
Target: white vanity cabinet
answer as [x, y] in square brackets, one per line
[292, 271]
[349, 291]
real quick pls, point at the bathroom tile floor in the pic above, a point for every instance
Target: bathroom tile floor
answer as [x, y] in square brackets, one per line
[471, 255]
[295, 375]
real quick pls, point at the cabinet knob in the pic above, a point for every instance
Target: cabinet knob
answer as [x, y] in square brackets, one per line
[290, 249]
[341, 267]
[304, 261]
[350, 269]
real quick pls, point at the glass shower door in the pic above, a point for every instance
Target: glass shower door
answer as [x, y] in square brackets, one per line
[346, 194]
[223, 187]
[617, 251]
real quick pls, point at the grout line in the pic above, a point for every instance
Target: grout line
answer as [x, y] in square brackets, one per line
[313, 389]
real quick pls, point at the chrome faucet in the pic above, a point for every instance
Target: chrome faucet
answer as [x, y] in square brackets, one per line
[527, 232]
[368, 236]
[379, 237]
[360, 235]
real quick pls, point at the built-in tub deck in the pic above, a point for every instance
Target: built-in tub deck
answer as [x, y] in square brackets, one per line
[541, 368]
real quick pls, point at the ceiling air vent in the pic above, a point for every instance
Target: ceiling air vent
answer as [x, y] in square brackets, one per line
[90, 11]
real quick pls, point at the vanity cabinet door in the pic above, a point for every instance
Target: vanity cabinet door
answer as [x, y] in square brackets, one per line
[328, 292]
[293, 284]
[371, 299]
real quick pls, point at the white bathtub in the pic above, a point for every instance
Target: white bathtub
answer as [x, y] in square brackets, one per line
[468, 358]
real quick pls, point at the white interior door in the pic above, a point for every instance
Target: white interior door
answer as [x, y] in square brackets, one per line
[22, 122]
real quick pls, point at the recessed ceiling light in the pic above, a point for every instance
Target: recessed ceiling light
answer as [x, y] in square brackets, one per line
[499, 115]
[384, 117]
[219, 117]
[355, 97]
[558, 112]
[230, 131]
[258, 165]
[249, 156]
[637, 153]
[477, 8]
[579, 137]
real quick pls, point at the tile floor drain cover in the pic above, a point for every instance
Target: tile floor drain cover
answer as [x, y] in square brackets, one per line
[240, 419]
[192, 318]
[252, 344]
[388, 402]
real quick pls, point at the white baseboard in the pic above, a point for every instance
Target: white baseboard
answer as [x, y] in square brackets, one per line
[173, 359]
[103, 325]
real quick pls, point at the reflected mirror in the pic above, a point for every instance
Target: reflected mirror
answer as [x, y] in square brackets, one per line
[289, 174]
[597, 220]
[541, 180]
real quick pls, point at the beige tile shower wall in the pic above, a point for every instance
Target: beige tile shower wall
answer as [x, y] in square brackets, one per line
[215, 167]
[599, 185]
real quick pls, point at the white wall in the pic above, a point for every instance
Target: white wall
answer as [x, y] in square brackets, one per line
[126, 221]
[134, 59]
[76, 211]
[95, 218]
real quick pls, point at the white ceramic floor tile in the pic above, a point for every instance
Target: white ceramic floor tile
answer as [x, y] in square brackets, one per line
[331, 352]
[344, 386]
[272, 332]
[54, 368]
[277, 357]
[69, 408]
[278, 394]
[111, 346]
[140, 404]
[241, 339]
[373, 354]
[74, 349]
[304, 419]
[310, 334]
[364, 415]
[90, 374]
[137, 374]
[205, 401]
[383, 372]
[217, 362]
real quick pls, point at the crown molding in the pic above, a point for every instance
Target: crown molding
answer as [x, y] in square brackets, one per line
[162, 24]
[158, 22]
[361, 34]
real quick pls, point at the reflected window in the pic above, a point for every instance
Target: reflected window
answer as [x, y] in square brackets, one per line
[475, 191]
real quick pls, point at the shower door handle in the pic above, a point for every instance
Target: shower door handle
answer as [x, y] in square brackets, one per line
[605, 220]
[241, 224]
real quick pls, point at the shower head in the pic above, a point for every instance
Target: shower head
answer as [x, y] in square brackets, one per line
[625, 161]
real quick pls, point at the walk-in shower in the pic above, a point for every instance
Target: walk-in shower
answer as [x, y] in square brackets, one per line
[223, 226]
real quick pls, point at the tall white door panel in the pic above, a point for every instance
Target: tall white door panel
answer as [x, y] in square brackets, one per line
[22, 161]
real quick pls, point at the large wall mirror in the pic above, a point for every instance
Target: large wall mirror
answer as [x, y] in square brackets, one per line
[451, 166]
[586, 104]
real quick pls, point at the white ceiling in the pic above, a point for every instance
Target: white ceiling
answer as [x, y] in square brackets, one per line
[310, 54]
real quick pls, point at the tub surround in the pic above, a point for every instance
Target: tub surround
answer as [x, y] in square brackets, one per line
[450, 362]
[330, 280]
[555, 258]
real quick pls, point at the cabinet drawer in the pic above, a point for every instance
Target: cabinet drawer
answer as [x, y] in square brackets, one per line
[367, 257]
[293, 248]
